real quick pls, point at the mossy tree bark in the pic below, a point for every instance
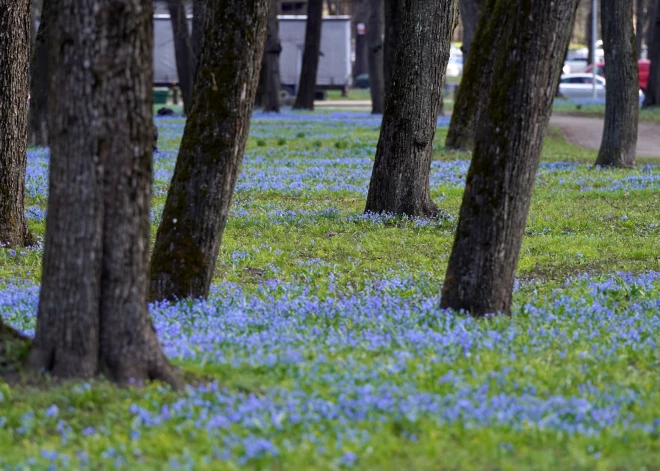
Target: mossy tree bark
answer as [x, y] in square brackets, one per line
[38, 115]
[375, 40]
[400, 177]
[92, 314]
[394, 12]
[473, 92]
[310, 59]
[15, 30]
[652, 98]
[510, 135]
[182, 50]
[470, 12]
[619, 141]
[211, 151]
[270, 82]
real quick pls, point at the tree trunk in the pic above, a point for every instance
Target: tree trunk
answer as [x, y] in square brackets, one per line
[591, 52]
[38, 115]
[211, 151]
[653, 7]
[271, 61]
[510, 135]
[640, 15]
[199, 10]
[360, 16]
[310, 59]
[470, 11]
[92, 314]
[394, 12]
[473, 92]
[652, 98]
[619, 141]
[182, 50]
[400, 178]
[14, 84]
[375, 41]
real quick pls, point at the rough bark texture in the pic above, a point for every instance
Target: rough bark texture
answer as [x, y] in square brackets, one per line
[199, 16]
[375, 41]
[652, 98]
[92, 314]
[619, 140]
[14, 83]
[38, 124]
[394, 13]
[270, 68]
[510, 135]
[310, 59]
[472, 95]
[211, 151]
[182, 50]
[400, 178]
[470, 11]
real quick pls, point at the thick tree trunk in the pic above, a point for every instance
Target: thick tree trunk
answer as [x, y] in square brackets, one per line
[182, 50]
[400, 178]
[640, 17]
[38, 115]
[472, 95]
[510, 135]
[199, 15]
[652, 98]
[310, 59]
[211, 151]
[619, 141]
[14, 84]
[394, 12]
[375, 41]
[271, 61]
[470, 12]
[92, 314]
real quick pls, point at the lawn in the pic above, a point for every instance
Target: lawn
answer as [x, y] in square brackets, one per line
[322, 346]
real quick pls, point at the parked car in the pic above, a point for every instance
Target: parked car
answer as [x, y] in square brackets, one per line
[581, 86]
[455, 66]
[577, 59]
[644, 66]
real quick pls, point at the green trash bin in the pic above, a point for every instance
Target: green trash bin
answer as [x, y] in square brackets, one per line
[161, 95]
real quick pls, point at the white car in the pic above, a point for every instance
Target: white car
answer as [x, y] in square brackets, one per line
[581, 86]
[455, 66]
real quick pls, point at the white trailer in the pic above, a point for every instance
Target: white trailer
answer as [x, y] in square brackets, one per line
[334, 72]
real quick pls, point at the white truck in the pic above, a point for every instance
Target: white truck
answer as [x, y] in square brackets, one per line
[334, 72]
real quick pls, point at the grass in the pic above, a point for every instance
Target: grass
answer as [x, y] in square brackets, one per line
[322, 344]
[598, 110]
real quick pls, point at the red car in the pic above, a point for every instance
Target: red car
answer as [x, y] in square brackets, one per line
[644, 71]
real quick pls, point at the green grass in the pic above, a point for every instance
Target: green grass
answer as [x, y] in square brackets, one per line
[649, 114]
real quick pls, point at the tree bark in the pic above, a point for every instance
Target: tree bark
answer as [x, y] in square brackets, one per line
[470, 11]
[15, 29]
[199, 15]
[360, 15]
[400, 178]
[652, 97]
[510, 135]
[38, 114]
[473, 92]
[92, 314]
[375, 40]
[619, 141]
[211, 151]
[270, 71]
[182, 50]
[394, 12]
[591, 52]
[310, 59]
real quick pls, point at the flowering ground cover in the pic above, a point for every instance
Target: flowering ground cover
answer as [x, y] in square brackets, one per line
[322, 345]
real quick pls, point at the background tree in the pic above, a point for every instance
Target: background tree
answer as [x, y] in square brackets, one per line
[14, 84]
[199, 8]
[400, 177]
[651, 21]
[92, 314]
[375, 41]
[182, 49]
[472, 94]
[640, 24]
[310, 59]
[470, 12]
[394, 13]
[270, 83]
[510, 135]
[619, 141]
[652, 98]
[38, 115]
[211, 152]
[360, 16]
